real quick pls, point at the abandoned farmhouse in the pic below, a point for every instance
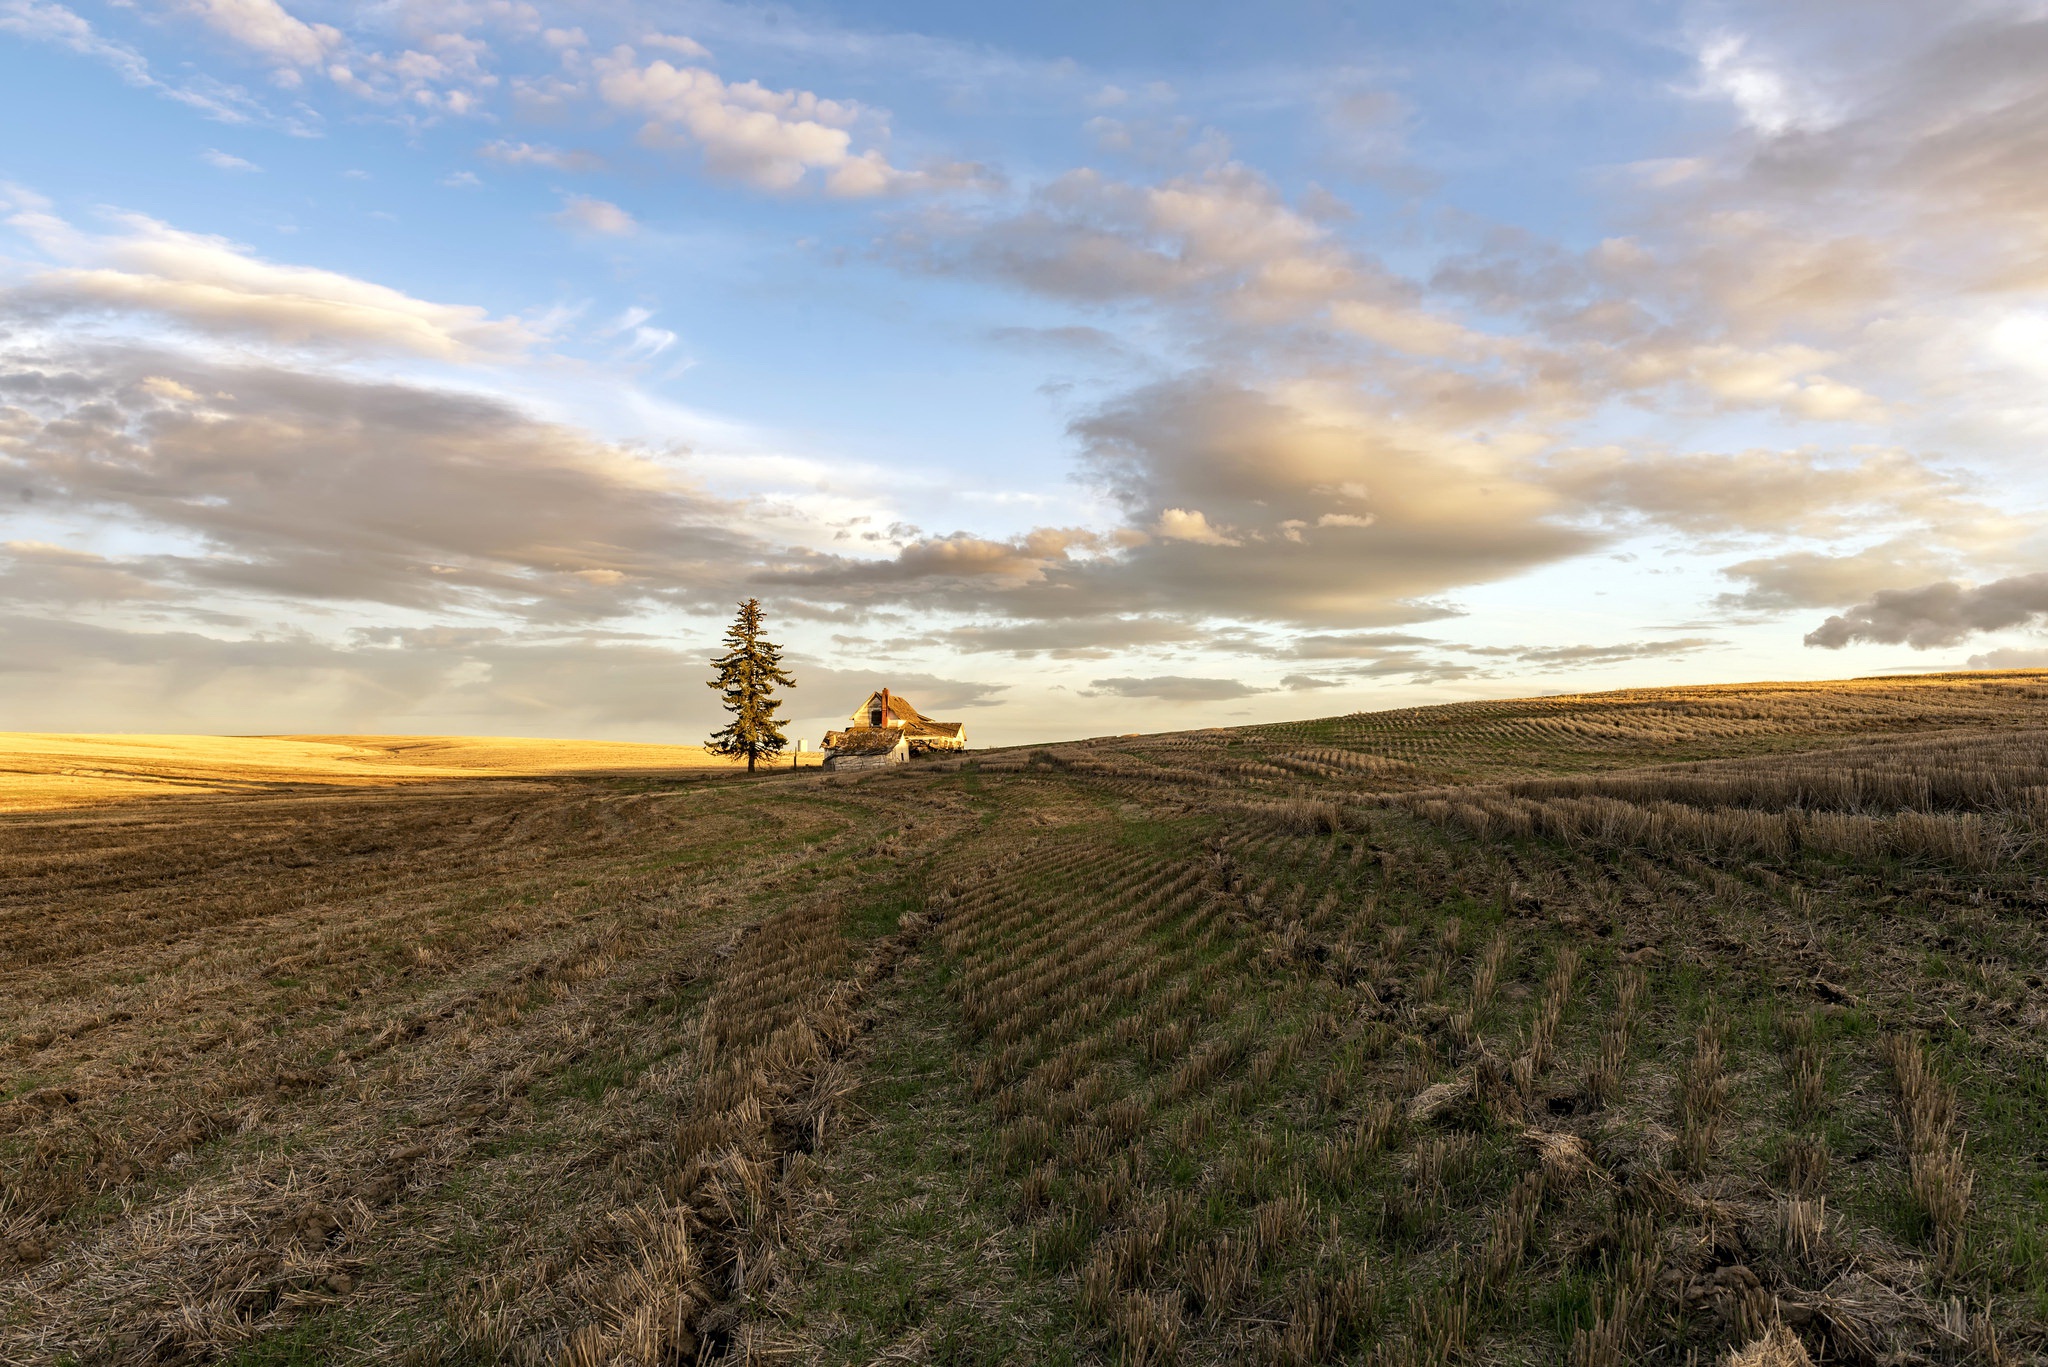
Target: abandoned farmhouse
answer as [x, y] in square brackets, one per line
[886, 729]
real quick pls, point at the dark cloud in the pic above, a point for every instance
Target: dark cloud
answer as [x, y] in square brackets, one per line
[1939, 614]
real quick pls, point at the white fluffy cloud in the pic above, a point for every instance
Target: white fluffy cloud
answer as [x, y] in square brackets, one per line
[267, 28]
[771, 139]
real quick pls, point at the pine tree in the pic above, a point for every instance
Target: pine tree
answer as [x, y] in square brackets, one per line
[747, 675]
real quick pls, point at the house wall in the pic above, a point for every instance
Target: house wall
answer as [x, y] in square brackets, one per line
[847, 764]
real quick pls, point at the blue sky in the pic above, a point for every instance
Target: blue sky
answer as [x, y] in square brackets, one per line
[444, 366]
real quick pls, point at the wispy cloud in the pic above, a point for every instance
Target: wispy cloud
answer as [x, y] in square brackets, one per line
[539, 154]
[45, 21]
[582, 213]
[227, 161]
[214, 286]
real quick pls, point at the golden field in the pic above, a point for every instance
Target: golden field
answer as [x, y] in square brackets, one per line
[47, 770]
[1690, 1026]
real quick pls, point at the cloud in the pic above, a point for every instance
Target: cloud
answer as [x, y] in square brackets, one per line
[1182, 524]
[1788, 492]
[427, 681]
[1085, 639]
[960, 566]
[1352, 645]
[1560, 657]
[47, 22]
[267, 28]
[829, 689]
[1088, 236]
[1305, 507]
[1884, 193]
[215, 286]
[583, 214]
[36, 572]
[53, 23]
[1944, 613]
[771, 139]
[304, 488]
[1075, 339]
[537, 154]
[2010, 659]
[1174, 688]
[226, 161]
[1770, 100]
[1413, 510]
[1368, 127]
[1815, 579]
[688, 48]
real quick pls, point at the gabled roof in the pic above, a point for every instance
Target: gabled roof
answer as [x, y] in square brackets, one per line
[924, 726]
[898, 709]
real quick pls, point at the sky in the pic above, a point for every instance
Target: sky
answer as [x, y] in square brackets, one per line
[456, 366]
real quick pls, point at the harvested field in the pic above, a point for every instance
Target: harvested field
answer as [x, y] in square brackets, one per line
[40, 771]
[1688, 1025]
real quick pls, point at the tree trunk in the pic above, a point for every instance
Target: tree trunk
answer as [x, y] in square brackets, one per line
[750, 761]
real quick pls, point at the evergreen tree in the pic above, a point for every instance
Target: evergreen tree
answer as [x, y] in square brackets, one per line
[748, 673]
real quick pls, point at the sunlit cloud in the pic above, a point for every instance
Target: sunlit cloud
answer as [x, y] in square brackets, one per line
[212, 285]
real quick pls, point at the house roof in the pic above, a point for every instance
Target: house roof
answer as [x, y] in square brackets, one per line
[899, 708]
[864, 740]
[924, 726]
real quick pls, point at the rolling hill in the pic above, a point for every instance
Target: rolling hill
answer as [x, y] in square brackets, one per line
[1663, 1025]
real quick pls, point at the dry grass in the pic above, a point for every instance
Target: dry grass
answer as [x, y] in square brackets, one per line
[1637, 1027]
[271, 1059]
